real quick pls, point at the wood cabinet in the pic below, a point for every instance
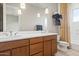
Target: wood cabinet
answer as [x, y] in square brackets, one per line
[36, 40]
[50, 45]
[38, 46]
[38, 54]
[47, 48]
[16, 47]
[54, 46]
[21, 51]
[5, 53]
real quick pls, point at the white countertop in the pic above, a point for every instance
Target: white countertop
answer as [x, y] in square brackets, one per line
[24, 36]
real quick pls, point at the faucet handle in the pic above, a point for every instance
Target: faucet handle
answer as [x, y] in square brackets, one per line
[10, 31]
[15, 33]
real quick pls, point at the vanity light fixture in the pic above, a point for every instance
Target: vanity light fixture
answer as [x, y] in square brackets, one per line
[46, 10]
[38, 15]
[19, 12]
[22, 6]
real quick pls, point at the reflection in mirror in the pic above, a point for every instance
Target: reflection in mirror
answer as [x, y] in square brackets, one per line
[12, 23]
[12, 17]
[27, 18]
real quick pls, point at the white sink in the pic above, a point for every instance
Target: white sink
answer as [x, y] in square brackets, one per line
[3, 37]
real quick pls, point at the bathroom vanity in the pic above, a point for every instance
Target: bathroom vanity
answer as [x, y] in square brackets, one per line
[20, 37]
[33, 45]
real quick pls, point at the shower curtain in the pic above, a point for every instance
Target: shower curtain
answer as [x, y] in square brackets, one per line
[64, 27]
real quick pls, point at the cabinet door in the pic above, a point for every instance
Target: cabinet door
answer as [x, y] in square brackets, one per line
[47, 48]
[22, 51]
[5, 53]
[54, 46]
[35, 48]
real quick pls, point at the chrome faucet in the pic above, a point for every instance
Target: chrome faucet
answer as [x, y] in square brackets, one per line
[11, 33]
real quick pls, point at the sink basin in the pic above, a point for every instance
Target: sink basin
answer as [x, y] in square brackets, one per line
[3, 37]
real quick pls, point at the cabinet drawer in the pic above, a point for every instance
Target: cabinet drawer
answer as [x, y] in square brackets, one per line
[35, 48]
[21, 51]
[5, 53]
[50, 37]
[20, 43]
[38, 54]
[36, 40]
[13, 44]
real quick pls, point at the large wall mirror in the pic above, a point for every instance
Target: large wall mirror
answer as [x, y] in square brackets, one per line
[25, 17]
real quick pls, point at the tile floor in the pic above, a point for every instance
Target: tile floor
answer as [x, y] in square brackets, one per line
[63, 51]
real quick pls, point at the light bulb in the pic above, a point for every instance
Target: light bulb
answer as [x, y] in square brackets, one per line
[19, 12]
[22, 6]
[38, 14]
[46, 11]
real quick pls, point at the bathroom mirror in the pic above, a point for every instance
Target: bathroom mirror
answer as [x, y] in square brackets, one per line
[26, 17]
[23, 19]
